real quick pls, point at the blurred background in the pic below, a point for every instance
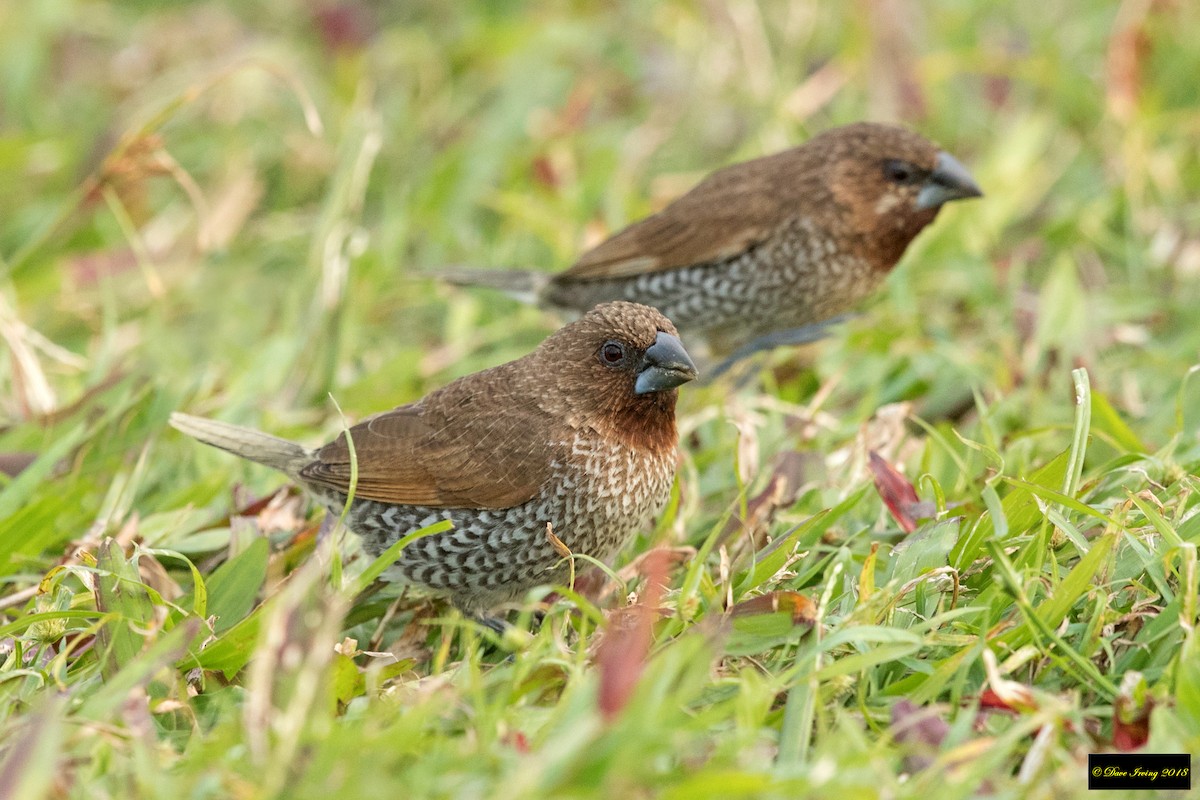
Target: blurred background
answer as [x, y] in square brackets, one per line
[188, 183]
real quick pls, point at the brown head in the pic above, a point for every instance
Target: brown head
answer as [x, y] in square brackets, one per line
[887, 184]
[617, 369]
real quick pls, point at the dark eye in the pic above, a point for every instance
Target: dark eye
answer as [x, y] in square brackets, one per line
[899, 171]
[612, 353]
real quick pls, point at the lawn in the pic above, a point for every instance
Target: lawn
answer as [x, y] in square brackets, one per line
[947, 551]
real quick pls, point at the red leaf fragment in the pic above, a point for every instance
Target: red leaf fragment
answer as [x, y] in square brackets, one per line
[989, 699]
[1002, 693]
[1012, 696]
[898, 494]
[626, 644]
[1131, 714]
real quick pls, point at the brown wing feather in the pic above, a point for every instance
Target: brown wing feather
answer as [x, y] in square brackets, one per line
[441, 454]
[723, 216]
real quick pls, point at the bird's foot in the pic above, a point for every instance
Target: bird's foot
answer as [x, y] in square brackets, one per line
[806, 334]
[498, 625]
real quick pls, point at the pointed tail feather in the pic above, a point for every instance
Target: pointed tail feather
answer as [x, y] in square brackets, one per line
[524, 285]
[271, 451]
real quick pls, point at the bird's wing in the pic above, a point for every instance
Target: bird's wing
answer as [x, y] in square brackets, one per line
[418, 455]
[725, 215]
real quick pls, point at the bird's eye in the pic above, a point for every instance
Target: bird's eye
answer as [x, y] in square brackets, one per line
[612, 353]
[899, 171]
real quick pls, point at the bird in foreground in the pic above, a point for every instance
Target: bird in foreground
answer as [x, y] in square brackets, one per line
[760, 252]
[577, 439]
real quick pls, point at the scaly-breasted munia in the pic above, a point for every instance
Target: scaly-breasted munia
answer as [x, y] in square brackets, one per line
[761, 250]
[579, 435]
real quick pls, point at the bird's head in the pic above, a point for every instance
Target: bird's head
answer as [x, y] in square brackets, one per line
[617, 368]
[891, 182]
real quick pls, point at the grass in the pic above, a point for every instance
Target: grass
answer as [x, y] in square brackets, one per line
[232, 212]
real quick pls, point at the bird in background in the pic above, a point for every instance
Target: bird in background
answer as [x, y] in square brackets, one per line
[576, 439]
[763, 252]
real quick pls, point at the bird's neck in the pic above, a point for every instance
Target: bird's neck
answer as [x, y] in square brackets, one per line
[646, 423]
[883, 248]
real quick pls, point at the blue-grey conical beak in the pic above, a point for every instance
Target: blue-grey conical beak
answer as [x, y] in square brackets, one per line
[665, 366]
[948, 181]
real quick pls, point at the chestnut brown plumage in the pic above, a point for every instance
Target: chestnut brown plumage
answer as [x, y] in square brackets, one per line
[768, 246]
[578, 435]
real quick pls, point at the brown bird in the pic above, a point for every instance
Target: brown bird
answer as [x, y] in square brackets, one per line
[579, 435]
[759, 252]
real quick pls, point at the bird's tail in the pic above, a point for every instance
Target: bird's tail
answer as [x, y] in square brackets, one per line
[524, 285]
[271, 451]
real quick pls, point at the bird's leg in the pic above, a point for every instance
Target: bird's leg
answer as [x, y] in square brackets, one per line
[498, 625]
[805, 334]
[327, 525]
[502, 626]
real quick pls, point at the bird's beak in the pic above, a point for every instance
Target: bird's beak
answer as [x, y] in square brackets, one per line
[948, 181]
[665, 366]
